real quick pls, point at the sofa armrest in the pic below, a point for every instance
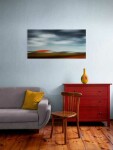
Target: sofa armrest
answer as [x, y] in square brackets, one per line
[44, 112]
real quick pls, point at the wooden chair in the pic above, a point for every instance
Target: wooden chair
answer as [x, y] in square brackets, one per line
[71, 102]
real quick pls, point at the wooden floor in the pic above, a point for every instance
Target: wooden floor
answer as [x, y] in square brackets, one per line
[93, 138]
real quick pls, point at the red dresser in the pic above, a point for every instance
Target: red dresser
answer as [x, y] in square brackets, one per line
[95, 101]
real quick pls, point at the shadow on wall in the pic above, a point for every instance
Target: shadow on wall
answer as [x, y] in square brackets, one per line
[111, 106]
[55, 98]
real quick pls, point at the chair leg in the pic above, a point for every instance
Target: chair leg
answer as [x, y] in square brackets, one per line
[62, 125]
[65, 131]
[78, 130]
[52, 127]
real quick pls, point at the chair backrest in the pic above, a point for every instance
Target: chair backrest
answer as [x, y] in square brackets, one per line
[71, 101]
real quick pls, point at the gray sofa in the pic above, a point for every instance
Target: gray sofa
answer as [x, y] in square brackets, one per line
[13, 117]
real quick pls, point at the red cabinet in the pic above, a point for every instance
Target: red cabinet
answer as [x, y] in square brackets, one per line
[95, 101]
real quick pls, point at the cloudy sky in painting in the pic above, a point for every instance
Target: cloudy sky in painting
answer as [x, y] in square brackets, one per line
[57, 40]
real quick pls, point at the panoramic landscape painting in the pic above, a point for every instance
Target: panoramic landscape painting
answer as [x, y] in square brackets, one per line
[56, 44]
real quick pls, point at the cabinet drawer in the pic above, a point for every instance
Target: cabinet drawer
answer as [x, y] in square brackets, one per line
[74, 89]
[88, 114]
[92, 114]
[95, 91]
[89, 91]
[93, 101]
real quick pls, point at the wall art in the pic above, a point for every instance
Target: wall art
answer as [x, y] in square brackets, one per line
[57, 43]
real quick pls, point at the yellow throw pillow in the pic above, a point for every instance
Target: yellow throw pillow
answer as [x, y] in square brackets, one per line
[31, 99]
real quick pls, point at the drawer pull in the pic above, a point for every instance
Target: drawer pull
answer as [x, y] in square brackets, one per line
[99, 91]
[100, 113]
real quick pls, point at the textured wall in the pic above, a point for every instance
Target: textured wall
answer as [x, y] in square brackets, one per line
[16, 16]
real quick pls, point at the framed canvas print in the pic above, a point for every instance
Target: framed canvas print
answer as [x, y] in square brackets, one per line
[68, 43]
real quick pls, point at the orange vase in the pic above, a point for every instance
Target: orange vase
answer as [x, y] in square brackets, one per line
[84, 77]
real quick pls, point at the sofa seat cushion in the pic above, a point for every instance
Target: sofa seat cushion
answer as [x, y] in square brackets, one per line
[18, 115]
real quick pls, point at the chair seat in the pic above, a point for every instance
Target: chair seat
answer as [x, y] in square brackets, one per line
[64, 114]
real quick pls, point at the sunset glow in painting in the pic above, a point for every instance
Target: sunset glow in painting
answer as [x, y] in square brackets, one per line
[56, 44]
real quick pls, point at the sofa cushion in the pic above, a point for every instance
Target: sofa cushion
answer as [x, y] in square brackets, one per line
[13, 97]
[31, 99]
[18, 115]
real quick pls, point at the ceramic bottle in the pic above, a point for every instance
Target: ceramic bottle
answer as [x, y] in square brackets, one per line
[84, 77]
